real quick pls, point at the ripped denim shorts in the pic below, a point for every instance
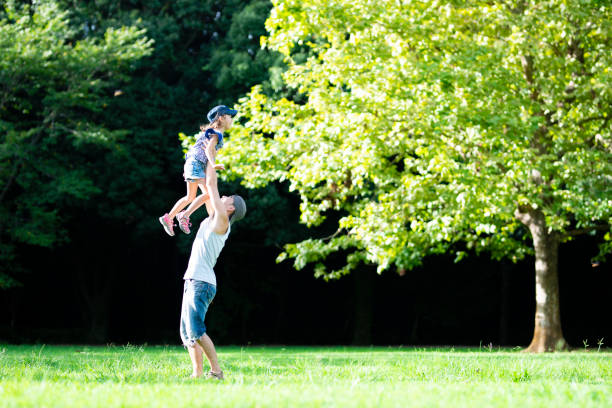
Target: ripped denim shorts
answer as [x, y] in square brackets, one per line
[197, 296]
[194, 169]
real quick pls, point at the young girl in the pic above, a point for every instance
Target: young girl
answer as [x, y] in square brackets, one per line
[203, 152]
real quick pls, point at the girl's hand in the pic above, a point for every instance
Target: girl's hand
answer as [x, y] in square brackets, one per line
[219, 166]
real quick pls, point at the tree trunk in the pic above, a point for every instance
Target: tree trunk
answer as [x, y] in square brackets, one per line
[504, 301]
[94, 274]
[547, 335]
[362, 285]
[94, 283]
[99, 318]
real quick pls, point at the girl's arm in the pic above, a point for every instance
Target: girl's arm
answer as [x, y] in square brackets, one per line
[211, 152]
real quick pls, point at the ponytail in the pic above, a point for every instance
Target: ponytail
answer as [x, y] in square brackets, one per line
[212, 124]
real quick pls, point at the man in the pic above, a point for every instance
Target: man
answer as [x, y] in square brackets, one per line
[200, 281]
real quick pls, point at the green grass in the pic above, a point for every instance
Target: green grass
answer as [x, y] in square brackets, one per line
[296, 376]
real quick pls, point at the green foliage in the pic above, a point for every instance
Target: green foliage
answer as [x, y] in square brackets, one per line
[54, 89]
[157, 376]
[239, 62]
[431, 124]
[104, 107]
[197, 44]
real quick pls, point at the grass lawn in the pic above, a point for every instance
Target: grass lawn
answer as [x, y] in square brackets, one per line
[156, 376]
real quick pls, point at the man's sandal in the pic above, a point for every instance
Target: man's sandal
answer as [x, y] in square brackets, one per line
[217, 376]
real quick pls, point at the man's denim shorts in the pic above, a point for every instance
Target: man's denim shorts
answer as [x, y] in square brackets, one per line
[194, 169]
[197, 296]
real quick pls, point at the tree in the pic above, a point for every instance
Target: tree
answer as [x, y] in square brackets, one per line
[440, 126]
[54, 87]
[108, 236]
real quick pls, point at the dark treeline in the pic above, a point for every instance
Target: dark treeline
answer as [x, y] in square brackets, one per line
[84, 258]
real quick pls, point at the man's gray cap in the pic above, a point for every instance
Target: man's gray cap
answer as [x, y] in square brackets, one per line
[239, 209]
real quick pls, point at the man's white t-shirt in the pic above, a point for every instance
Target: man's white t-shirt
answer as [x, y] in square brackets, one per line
[204, 253]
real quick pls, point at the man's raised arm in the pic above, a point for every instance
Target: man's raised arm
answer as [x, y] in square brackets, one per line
[220, 219]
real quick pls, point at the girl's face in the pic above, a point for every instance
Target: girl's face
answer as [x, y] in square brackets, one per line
[226, 121]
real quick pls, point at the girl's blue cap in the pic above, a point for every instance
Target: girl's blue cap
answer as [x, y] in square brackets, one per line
[218, 111]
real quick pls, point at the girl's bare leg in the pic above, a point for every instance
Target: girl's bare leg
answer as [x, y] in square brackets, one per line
[198, 202]
[192, 190]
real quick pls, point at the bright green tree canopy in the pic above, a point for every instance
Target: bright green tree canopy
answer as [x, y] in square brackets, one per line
[432, 123]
